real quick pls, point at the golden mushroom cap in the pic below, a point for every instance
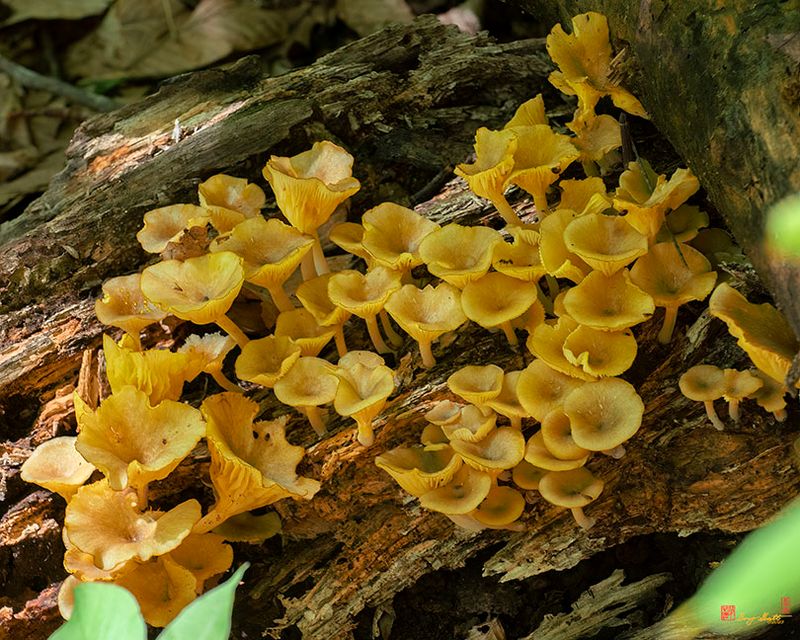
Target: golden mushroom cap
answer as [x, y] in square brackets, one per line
[419, 469]
[703, 382]
[584, 196]
[546, 342]
[313, 295]
[556, 256]
[236, 194]
[520, 259]
[200, 289]
[124, 306]
[595, 136]
[604, 414]
[740, 384]
[463, 493]
[393, 234]
[683, 224]
[507, 403]
[245, 527]
[494, 162]
[573, 488]
[557, 436]
[427, 313]
[502, 449]
[205, 555]
[349, 236]
[309, 186]
[270, 250]
[207, 352]
[476, 383]
[541, 155]
[529, 113]
[309, 383]
[471, 425]
[771, 395]
[363, 389]
[600, 353]
[444, 412]
[304, 330]
[458, 254]
[267, 360]
[606, 243]
[760, 329]
[608, 303]
[497, 298]
[538, 454]
[541, 388]
[527, 476]
[57, 466]
[673, 275]
[501, 507]
[167, 224]
[363, 295]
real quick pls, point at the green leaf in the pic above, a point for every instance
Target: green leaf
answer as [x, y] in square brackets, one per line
[103, 612]
[783, 226]
[208, 617]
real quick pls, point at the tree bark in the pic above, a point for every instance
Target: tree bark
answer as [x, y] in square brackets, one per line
[406, 103]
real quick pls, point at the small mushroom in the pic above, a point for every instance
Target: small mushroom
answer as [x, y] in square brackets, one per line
[420, 469]
[537, 453]
[57, 466]
[738, 385]
[557, 436]
[556, 256]
[541, 389]
[267, 360]
[303, 329]
[606, 243]
[362, 392]
[496, 299]
[546, 342]
[600, 353]
[462, 494]
[472, 425]
[527, 476]
[573, 489]
[208, 353]
[205, 555]
[167, 224]
[501, 507]
[313, 295]
[476, 384]
[608, 303]
[124, 306]
[458, 254]
[502, 449]
[237, 194]
[771, 395]
[307, 385]
[704, 383]
[507, 403]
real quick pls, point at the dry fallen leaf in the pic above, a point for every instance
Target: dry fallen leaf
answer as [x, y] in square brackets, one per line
[53, 9]
[367, 16]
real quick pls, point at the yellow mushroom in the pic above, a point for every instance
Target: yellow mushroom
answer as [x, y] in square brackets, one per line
[476, 384]
[538, 454]
[541, 389]
[362, 392]
[167, 224]
[502, 449]
[704, 383]
[462, 494]
[738, 385]
[57, 466]
[459, 254]
[267, 360]
[573, 489]
[304, 330]
[313, 295]
[606, 243]
[124, 306]
[232, 193]
[308, 384]
[420, 469]
[608, 303]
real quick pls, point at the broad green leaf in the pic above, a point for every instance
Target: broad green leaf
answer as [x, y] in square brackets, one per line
[103, 612]
[208, 617]
[783, 226]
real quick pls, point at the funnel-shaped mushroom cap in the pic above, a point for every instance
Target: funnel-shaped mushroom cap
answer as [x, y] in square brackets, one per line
[252, 464]
[433, 434]
[267, 360]
[57, 466]
[363, 294]
[393, 234]
[476, 384]
[133, 443]
[600, 353]
[595, 136]
[270, 250]
[537, 453]
[313, 295]
[507, 403]
[502, 506]
[82, 566]
[364, 386]
[207, 352]
[585, 64]
[683, 224]
[157, 372]
[444, 412]
[465, 491]
[557, 436]
[420, 469]
[541, 388]
[556, 256]
[349, 236]
[309, 186]
[496, 299]
[200, 289]
[541, 155]
[493, 164]
[575, 488]
[502, 449]
[167, 224]
[162, 588]
[108, 525]
[608, 303]
[459, 254]
[521, 259]
[739, 384]
[547, 343]
[124, 306]
[231, 193]
[246, 527]
[304, 330]
[673, 278]
[771, 395]
[529, 113]
[527, 476]
[606, 243]
[604, 414]
[472, 424]
[309, 383]
[584, 196]
[760, 329]
[703, 382]
[205, 555]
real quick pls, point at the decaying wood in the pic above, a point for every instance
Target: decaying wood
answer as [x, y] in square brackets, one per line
[361, 540]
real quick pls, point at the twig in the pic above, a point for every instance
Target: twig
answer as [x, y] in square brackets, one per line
[34, 80]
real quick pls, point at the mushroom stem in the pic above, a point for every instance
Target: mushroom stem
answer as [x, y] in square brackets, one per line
[137, 343]
[516, 422]
[733, 409]
[375, 335]
[547, 303]
[427, 355]
[366, 436]
[141, 496]
[582, 519]
[540, 200]
[509, 331]
[280, 298]
[320, 263]
[314, 416]
[341, 345]
[394, 337]
[616, 453]
[307, 267]
[670, 315]
[506, 211]
[223, 382]
[229, 327]
[211, 520]
[712, 415]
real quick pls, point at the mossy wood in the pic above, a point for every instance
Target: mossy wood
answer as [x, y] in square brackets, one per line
[405, 102]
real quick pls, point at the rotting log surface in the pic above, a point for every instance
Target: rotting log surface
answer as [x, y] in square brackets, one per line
[361, 540]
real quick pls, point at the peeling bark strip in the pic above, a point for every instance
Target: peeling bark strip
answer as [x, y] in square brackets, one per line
[721, 81]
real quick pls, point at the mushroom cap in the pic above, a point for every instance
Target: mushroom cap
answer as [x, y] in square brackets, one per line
[349, 236]
[529, 113]
[444, 412]
[267, 360]
[199, 289]
[571, 489]
[57, 466]
[245, 527]
[527, 476]
[304, 330]
[270, 250]
[237, 194]
[494, 161]
[703, 382]
[205, 555]
[683, 224]
[595, 136]
[134, 443]
[309, 186]
[553, 250]
[541, 388]
[608, 303]
[672, 278]
[541, 155]
[501, 507]
[167, 224]
[363, 295]
[427, 313]
[496, 298]
[124, 306]
[463, 493]
[546, 342]
[458, 254]
[584, 196]
[208, 352]
[606, 243]
[476, 383]
[313, 295]
[472, 425]
[739, 384]
[502, 449]
[557, 436]
[537, 453]
[362, 389]
[771, 395]
[521, 259]
[419, 469]
[433, 434]
[760, 329]
[507, 403]
[393, 234]
[309, 383]
[600, 353]
[604, 414]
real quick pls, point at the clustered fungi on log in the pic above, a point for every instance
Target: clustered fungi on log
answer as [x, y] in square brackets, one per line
[371, 534]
